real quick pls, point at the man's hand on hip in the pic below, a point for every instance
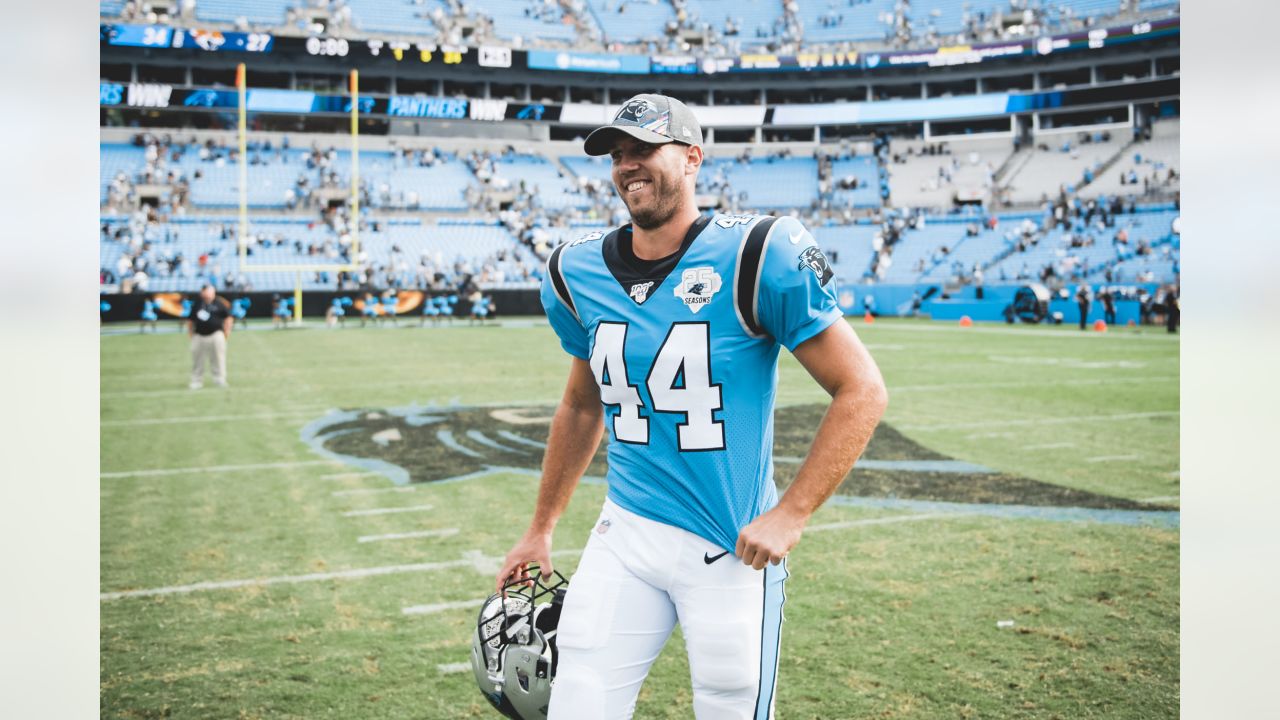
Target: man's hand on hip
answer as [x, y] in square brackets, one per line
[769, 538]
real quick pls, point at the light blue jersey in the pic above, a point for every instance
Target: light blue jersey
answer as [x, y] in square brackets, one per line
[685, 350]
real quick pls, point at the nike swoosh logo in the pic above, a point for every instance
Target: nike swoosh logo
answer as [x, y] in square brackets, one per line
[706, 558]
[795, 237]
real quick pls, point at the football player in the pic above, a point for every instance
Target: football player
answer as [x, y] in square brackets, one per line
[674, 323]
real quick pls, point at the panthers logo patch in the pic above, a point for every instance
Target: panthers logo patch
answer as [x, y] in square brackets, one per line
[813, 259]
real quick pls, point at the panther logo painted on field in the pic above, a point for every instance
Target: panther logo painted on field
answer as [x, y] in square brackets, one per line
[423, 444]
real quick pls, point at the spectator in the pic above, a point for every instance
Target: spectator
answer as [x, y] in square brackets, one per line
[208, 330]
[1083, 296]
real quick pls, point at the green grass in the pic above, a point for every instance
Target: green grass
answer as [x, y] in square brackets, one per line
[895, 620]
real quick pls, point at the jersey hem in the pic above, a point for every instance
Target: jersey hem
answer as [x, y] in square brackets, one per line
[647, 516]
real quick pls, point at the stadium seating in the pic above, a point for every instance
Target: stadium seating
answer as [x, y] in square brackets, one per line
[529, 20]
[755, 18]
[219, 181]
[631, 21]
[770, 182]
[593, 167]
[1045, 170]
[1054, 248]
[401, 246]
[863, 21]
[543, 180]
[396, 16]
[115, 159]
[533, 23]
[916, 182]
[1158, 155]
[398, 184]
[966, 252]
[258, 12]
[921, 245]
[867, 172]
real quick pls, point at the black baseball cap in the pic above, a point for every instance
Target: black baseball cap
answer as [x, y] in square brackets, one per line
[650, 118]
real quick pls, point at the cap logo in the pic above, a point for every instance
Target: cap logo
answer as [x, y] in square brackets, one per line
[644, 114]
[635, 111]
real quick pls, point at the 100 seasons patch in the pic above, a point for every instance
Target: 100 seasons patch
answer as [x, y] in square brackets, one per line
[417, 444]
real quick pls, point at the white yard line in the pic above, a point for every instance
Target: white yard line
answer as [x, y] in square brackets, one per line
[445, 532]
[1040, 421]
[373, 491]
[386, 511]
[286, 579]
[453, 668]
[474, 559]
[349, 475]
[441, 607]
[1050, 446]
[879, 521]
[1109, 458]
[469, 560]
[991, 435]
[215, 469]
[481, 563]
[209, 418]
[1023, 383]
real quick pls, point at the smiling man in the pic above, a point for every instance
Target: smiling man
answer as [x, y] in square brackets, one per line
[675, 322]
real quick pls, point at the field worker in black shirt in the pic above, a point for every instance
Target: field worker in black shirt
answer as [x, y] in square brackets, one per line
[208, 328]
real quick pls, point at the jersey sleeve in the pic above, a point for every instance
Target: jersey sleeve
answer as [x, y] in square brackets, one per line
[573, 336]
[797, 289]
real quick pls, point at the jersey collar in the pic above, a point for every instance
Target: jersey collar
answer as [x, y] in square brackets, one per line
[631, 272]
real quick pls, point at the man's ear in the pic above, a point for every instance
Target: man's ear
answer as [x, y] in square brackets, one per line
[693, 159]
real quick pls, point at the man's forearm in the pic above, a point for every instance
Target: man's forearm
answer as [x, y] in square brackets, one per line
[575, 435]
[844, 433]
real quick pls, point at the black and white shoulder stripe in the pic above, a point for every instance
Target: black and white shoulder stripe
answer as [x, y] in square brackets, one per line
[558, 283]
[746, 286]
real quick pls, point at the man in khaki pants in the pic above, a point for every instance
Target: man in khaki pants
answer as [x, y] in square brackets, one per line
[208, 328]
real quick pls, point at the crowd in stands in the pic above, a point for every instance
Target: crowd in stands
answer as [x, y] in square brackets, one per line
[168, 244]
[721, 27]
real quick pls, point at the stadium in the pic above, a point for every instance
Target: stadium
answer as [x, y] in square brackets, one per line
[373, 190]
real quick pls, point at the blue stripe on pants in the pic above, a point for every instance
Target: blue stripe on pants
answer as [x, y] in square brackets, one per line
[775, 597]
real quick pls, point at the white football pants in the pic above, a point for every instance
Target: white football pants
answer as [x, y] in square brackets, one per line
[636, 579]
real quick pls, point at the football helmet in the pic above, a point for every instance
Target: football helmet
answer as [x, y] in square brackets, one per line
[513, 648]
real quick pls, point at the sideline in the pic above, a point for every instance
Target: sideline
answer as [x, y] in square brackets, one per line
[947, 326]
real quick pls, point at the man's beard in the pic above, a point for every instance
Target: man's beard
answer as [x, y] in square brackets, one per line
[666, 201]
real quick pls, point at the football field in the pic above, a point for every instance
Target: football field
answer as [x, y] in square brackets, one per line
[314, 541]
